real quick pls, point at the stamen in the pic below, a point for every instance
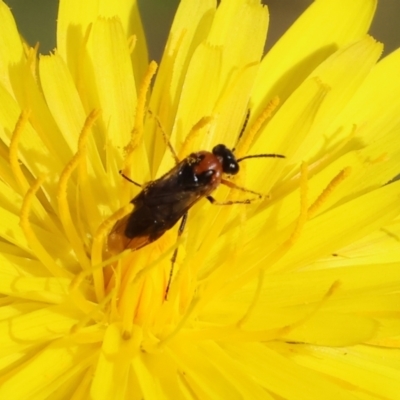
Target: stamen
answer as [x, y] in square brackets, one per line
[339, 178]
[104, 229]
[231, 333]
[63, 206]
[165, 136]
[303, 206]
[128, 308]
[317, 166]
[188, 386]
[88, 335]
[78, 279]
[77, 297]
[384, 342]
[132, 40]
[248, 138]
[379, 159]
[31, 238]
[98, 244]
[194, 134]
[305, 212]
[330, 292]
[16, 169]
[140, 275]
[302, 219]
[253, 303]
[115, 287]
[137, 132]
[282, 250]
[163, 342]
[32, 56]
[80, 301]
[337, 149]
[37, 207]
[96, 314]
[132, 293]
[214, 276]
[13, 150]
[83, 137]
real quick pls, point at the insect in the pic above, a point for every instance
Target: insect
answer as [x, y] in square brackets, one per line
[166, 200]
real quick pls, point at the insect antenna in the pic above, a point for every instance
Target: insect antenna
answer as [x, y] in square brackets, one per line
[246, 120]
[246, 139]
[129, 179]
[244, 126]
[234, 186]
[260, 156]
[165, 137]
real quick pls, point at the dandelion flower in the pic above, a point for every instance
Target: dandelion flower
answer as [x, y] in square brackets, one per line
[294, 296]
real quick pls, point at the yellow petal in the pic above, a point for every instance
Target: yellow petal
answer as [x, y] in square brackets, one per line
[197, 99]
[74, 23]
[113, 365]
[370, 369]
[344, 73]
[29, 142]
[49, 290]
[377, 247]
[333, 329]
[324, 27]
[191, 25]
[11, 51]
[346, 223]
[35, 328]
[342, 76]
[62, 98]
[223, 62]
[285, 133]
[278, 374]
[374, 108]
[112, 83]
[204, 378]
[42, 374]
[151, 385]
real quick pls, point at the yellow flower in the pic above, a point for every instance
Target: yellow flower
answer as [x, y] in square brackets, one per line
[294, 296]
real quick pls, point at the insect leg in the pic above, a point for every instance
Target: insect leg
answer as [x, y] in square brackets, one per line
[236, 187]
[229, 202]
[173, 259]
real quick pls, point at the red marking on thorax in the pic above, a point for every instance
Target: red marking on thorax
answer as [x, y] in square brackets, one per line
[210, 162]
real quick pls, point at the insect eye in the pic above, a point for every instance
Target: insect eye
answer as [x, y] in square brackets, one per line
[231, 168]
[228, 160]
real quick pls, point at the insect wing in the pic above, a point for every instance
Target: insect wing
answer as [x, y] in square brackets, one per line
[118, 241]
[158, 207]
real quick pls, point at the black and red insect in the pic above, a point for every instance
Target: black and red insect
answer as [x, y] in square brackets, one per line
[164, 201]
